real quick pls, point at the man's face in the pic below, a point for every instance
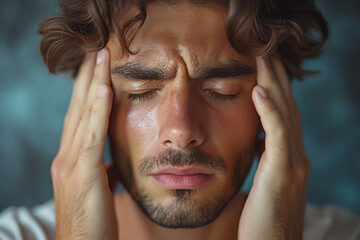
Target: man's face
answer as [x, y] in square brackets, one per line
[183, 125]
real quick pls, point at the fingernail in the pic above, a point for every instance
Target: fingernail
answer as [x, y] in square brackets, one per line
[261, 91]
[101, 90]
[100, 56]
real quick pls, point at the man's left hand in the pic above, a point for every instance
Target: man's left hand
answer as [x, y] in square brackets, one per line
[275, 206]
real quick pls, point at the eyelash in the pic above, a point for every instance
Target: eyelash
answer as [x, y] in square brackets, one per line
[142, 96]
[147, 95]
[223, 97]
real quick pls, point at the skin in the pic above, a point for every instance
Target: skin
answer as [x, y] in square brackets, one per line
[181, 115]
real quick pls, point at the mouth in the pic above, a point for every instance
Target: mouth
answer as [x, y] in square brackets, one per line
[184, 177]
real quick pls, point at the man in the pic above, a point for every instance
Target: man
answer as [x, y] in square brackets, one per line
[184, 90]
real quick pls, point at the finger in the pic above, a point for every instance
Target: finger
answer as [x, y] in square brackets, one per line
[101, 74]
[276, 140]
[79, 93]
[285, 85]
[93, 144]
[295, 118]
[100, 64]
[267, 78]
[100, 82]
[282, 76]
[83, 79]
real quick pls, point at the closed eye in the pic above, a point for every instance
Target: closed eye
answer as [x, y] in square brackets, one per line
[142, 96]
[223, 97]
[149, 94]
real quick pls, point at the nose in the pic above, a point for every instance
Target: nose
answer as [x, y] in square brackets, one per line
[182, 121]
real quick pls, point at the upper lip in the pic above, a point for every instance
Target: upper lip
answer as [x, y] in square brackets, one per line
[184, 170]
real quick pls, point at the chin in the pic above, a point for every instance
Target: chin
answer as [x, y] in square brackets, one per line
[183, 208]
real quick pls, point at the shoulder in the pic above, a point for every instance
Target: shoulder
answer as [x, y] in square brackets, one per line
[36, 223]
[330, 222]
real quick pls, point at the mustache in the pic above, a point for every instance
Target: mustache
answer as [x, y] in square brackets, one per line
[179, 158]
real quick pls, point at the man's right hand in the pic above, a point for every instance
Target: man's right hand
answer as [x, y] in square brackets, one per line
[83, 200]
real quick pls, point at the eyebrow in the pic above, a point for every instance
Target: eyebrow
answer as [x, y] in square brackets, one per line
[229, 70]
[137, 70]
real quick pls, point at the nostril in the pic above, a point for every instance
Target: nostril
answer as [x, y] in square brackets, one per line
[179, 134]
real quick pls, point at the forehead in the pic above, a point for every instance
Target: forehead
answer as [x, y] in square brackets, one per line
[194, 33]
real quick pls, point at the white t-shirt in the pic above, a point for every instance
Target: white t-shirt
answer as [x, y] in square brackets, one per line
[328, 223]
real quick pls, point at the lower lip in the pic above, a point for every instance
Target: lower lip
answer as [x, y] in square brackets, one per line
[191, 181]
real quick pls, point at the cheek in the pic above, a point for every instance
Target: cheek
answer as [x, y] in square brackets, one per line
[132, 128]
[246, 121]
[236, 128]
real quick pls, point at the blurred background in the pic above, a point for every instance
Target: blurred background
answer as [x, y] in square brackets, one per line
[33, 104]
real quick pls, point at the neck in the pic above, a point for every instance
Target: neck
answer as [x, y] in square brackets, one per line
[134, 224]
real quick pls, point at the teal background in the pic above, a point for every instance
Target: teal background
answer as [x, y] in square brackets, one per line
[33, 103]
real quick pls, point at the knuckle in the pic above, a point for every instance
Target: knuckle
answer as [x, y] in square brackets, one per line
[91, 109]
[301, 172]
[90, 137]
[56, 162]
[87, 150]
[57, 169]
[282, 133]
[96, 109]
[283, 151]
[87, 108]
[106, 86]
[54, 169]
[303, 169]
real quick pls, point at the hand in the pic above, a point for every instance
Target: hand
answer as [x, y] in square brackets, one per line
[83, 200]
[275, 206]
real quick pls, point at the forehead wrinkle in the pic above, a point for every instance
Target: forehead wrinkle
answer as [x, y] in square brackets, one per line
[155, 54]
[190, 60]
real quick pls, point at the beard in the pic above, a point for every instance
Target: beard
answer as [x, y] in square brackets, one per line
[185, 209]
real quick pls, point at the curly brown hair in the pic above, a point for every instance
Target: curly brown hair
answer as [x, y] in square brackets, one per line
[291, 29]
